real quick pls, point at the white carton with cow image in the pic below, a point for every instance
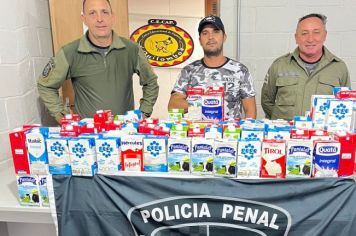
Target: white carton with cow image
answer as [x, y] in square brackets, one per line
[27, 186]
[225, 157]
[299, 158]
[202, 158]
[179, 155]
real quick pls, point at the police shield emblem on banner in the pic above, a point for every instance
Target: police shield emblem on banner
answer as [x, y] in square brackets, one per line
[164, 43]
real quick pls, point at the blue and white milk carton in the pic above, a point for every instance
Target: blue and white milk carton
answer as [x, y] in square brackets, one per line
[299, 158]
[44, 198]
[202, 157]
[225, 157]
[339, 116]
[326, 158]
[212, 107]
[278, 132]
[58, 156]
[155, 154]
[108, 155]
[179, 155]
[252, 131]
[320, 108]
[83, 156]
[27, 186]
[37, 151]
[249, 159]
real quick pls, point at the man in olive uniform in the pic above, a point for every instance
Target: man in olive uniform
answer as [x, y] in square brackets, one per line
[101, 65]
[311, 69]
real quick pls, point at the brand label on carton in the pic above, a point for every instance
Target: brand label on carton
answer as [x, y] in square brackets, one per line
[155, 154]
[225, 158]
[179, 155]
[326, 159]
[249, 159]
[202, 158]
[299, 158]
[108, 154]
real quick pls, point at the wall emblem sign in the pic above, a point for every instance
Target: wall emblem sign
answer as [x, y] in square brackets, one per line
[164, 43]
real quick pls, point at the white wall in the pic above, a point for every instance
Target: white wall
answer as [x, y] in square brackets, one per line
[267, 31]
[25, 46]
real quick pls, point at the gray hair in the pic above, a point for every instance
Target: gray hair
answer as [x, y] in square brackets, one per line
[322, 17]
[106, 0]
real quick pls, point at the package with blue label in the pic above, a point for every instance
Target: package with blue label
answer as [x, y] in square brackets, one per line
[179, 155]
[202, 157]
[108, 155]
[155, 154]
[326, 158]
[27, 186]
[58, 156]
[37, 150]
[83, 156]
[249, 159]
[299, 158]
[225, 157]
[339, 116]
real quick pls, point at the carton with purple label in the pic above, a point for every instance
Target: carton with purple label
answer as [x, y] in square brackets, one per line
[155, 154]
[58, 156]
[27, 186]
[179, 155]
[202, 157]
[108, 155]
[326, 158]
[249, 159]
[225, 157]
[37, 151]
[299, 158]
[83, 156]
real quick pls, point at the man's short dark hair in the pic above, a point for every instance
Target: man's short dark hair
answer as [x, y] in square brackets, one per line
[322, 17]
[106, 0]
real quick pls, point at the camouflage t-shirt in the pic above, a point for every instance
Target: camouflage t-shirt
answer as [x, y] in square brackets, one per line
[233, 75]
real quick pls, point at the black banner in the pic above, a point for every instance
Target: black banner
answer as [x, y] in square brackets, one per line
[156, 206]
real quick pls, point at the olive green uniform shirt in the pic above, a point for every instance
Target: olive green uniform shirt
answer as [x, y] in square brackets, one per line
[99, 81]
[288, 87]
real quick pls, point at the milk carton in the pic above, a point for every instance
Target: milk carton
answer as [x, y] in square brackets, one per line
[108, 155]
[179, 155]
[249, 159]
[225, 157]
[59, 162]
[37, 151]
[320, 108]
[202, 157]
[42, 182]
[83, 156]
[19, 151]
[27, 186]
[339, 116]
[194, 100]
[212, 107]
[299, 158]
[232, 132]
[347, 153]
[155, 154]
[273, 163]
[326, 158]
[278, 132]
[132, 152]
[252, 132]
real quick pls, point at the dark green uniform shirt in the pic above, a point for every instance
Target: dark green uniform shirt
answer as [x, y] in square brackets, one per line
[99, 81]
[288, 86]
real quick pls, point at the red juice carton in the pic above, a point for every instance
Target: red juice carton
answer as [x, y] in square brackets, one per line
[19, 151]
[102, 116]
[132, 153]
[326, 158]
[273, 162]
[299, 134]
[347, 153]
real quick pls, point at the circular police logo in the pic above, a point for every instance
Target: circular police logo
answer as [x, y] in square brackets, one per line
[163, 43]
[47, 69]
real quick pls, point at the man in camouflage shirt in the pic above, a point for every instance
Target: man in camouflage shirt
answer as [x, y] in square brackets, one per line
[216, 70]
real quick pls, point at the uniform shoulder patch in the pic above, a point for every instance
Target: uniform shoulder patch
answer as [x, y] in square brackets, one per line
[48, 68]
